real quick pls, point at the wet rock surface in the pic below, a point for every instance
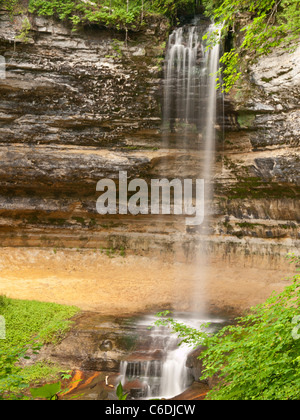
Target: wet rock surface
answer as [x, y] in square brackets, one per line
[95, 343]
[95, 348]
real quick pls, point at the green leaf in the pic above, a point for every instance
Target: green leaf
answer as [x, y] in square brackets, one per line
[49, 392]
[120, 393]
[119, 390]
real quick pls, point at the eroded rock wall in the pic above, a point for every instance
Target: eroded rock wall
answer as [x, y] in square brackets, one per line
[78, 107]
[75, 108]
[261, 151]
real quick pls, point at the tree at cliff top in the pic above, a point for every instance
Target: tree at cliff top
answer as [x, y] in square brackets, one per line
[267, 24]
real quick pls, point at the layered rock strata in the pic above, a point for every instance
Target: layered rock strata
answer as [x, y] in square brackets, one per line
[77, 107]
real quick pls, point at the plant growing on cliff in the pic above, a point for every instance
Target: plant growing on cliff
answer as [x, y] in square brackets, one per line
[25, 30]
[266, 24]
[119, 14]
[173, 8]
[11, 5]
[259, 357]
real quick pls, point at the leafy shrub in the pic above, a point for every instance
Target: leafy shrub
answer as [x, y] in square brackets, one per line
[119, 14]
[269, 24]
[48, 391]
[25, 30]
[29, 325]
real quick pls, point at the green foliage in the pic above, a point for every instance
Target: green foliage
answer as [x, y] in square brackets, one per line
[29, 325]
[111, 13]
[10, 5]
[120, 393]
[48, 391]
[258, 358]
[172, 8]
[229, 71]
[66, 375]
[45, 370]
[24, 319]
[4, 302]
[12, 378]
[26, 27]
[269, 24]
[119, 14]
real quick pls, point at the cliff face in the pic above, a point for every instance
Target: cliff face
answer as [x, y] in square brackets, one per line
[262, 149]
[78, 107]
[74, 108]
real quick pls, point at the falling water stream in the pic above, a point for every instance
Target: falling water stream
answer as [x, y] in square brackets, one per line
[190, 115]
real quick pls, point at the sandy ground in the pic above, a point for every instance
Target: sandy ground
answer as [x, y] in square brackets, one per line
[120, 286]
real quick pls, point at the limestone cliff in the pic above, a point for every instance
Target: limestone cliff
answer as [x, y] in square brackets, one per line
[80, 106]
[261, 149]
[75, 107]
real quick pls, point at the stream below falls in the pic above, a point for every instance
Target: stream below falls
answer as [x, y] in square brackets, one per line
[146, 359]
[157, 368]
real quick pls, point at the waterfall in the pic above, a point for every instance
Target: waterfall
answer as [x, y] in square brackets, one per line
[189, 124]
[160, 370]
[213, 59]
[165, 376]
[175, 374]
[190, 119]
